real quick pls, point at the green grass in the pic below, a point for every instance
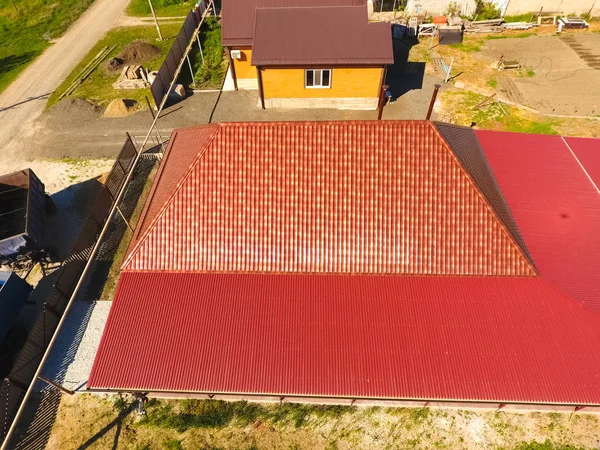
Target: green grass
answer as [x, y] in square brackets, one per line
[25, 31]
[468, 47]
[493, 83]
[97, 88]
[497, 116]
[515, 35]
[546, 445]
[218, 414]
[162, 8]
[211, 74]
[530, 73]
[527, 17]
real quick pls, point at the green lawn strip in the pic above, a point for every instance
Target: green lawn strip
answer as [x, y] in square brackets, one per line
[97, 88]
[26, 26]
[162, 8]
[211, 73]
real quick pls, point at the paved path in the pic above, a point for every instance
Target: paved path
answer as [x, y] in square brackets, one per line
[24, 100]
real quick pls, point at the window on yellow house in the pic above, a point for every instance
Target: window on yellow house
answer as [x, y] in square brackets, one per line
[317, 78]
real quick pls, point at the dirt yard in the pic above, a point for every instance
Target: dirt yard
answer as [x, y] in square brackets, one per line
[557, 79]
[559, 74]
[85, 421]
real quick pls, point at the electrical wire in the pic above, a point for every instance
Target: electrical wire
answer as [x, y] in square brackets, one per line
[583, 69]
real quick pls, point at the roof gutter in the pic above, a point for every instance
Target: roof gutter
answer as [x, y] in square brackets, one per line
[357, 400]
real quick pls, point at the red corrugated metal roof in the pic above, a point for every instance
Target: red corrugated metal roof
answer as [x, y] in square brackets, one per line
[463, 338]
[337, 197]
[171, 169]
[335, 36]
[555, 204]
[587, 152]
[238, 16]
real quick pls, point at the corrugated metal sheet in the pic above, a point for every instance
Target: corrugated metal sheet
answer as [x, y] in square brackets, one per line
[172, 169]
[587, 151]
[465, 338]
[317, 36]
[555, 205]
[337, 197]
[238, 16]
[465, 145]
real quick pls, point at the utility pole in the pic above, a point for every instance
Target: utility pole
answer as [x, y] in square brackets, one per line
[160, 38]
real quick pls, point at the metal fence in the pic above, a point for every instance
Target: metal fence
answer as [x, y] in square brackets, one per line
[166, 73]
[15, 385]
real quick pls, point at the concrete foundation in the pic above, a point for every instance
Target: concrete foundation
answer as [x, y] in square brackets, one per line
[336, 103]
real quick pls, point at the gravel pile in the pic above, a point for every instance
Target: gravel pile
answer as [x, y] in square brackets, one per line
[70, 361]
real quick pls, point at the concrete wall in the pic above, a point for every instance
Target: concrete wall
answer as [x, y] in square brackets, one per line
[509, 7]
[438, 7]
[578, 7]
[345, 83]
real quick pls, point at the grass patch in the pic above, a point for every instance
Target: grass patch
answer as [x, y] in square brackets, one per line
[493, 83]
[530, 73]
[97, 88]
[511, 35]
[27, 26]
[546, 445]
[211, 73]
[468, 47]
[460, 106]
[162, 8]
[188, 414]
[527, 17]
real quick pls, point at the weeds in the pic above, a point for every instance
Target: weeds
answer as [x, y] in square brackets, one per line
[218, 413]
[546, 445]
[161, 7]
[530, 73]
[468, 47]
[173, 444]
[493, 83]
[210, 73]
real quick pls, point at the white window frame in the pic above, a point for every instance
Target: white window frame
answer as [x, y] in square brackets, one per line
[314, 71]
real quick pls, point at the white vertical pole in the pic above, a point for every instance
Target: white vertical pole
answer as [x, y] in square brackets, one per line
[449, 70]
[160, 38]
[200, 48]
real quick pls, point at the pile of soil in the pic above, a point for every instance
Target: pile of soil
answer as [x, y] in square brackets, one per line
[135, 52]
[120, 107]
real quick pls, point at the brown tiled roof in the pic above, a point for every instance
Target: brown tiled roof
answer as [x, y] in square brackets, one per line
[328, 197]
[323, 35]
[238, 16]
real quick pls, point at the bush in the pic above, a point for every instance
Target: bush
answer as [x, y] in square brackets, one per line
[486, 10]
[211, 72]
[453, 10]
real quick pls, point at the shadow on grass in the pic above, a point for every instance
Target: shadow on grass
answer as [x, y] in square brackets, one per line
[11, 66]
[116, 422]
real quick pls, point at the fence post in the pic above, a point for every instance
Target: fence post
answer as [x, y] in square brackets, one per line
[160, 38]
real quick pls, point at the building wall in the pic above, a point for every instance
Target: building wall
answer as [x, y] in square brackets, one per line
[577, 7]
[438, 7]
[243, 67]
[358, 82]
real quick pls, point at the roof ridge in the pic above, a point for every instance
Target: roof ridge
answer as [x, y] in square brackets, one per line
[172, 196]
[486, 202]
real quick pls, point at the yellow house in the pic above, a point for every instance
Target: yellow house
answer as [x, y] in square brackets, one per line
[310, 56]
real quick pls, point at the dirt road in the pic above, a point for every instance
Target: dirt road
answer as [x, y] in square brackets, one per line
[24, 100]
